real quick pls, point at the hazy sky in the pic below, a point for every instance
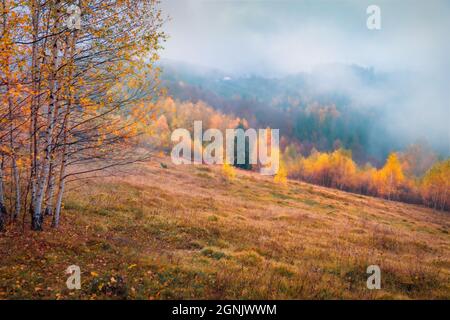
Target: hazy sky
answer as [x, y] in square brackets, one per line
[264, 36]
[275, 37]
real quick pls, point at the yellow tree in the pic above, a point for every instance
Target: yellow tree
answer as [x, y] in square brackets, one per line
[390, 177]
[317, 168]
[281, 176]
[228, 171]
[13, 95]
[436, 185]
[342, 169]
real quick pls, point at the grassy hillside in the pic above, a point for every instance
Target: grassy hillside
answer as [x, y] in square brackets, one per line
[186, 232]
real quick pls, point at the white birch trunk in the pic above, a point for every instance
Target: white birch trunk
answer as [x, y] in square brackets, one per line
[45, 170]
[50, 192]
[3, 211]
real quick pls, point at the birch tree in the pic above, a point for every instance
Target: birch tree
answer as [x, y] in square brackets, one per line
[73, 94]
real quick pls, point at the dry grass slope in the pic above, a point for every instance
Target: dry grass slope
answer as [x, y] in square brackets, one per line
[186, 232]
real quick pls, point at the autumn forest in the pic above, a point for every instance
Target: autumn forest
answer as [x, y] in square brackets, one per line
[91, 92]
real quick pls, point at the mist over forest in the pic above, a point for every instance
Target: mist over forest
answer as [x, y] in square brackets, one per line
[314, 70]
[332, 106]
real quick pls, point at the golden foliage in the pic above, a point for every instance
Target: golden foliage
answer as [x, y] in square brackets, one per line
[338, 170]
[436, 185]
[228, 171]
[389, 178]
[281, 176]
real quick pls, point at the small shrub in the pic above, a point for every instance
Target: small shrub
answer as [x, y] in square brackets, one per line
[217, 255]
[213, 218]
[281, 176]
[228, 171]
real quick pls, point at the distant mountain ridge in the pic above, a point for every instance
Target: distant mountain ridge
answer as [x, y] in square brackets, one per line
[362, 97]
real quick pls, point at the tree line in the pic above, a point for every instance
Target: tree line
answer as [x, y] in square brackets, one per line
[415, 175]
[395, 180]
